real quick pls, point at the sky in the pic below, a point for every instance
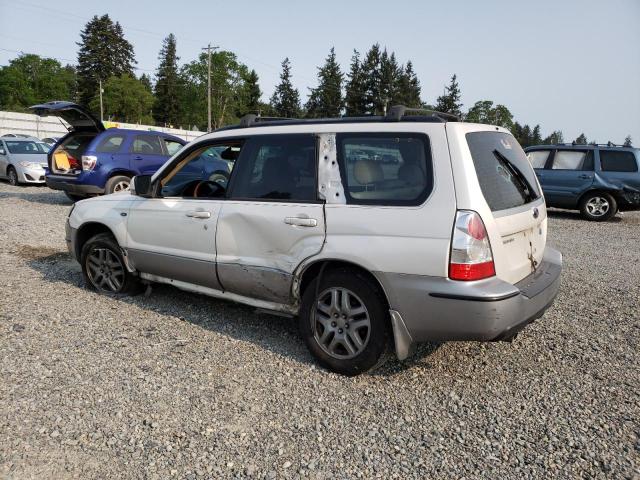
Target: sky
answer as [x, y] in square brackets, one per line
[570, 65]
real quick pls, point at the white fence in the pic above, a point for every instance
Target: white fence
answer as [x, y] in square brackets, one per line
[42, 127]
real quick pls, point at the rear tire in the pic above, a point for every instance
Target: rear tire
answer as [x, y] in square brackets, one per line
[104, 269]
[12, 176]
[598, 206]
[117, 183]
[347, 327]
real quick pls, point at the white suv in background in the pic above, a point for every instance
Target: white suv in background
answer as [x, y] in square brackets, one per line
[374, 232]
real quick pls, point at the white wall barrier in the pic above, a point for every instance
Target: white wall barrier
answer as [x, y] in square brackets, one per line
[41, 127]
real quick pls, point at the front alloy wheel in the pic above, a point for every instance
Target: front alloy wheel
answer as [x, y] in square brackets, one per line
[105, 271]
[103, 266]
[598, 206]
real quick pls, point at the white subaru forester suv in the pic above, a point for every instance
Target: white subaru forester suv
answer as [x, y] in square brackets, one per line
[374, 232]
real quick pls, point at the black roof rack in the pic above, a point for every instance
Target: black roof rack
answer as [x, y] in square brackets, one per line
[397, 113]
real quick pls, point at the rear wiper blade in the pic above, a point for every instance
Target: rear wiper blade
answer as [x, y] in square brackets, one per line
[524, 184]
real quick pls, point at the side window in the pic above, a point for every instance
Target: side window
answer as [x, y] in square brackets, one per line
[172, 146]
[538, 158]
[147, 144]
[278, 167]
[618, 161]
[110, 144]
[385, 169]
[573, 160]
[202, 173]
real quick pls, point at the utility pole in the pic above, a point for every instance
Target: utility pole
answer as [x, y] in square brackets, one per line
[101, 109]
[208, 48]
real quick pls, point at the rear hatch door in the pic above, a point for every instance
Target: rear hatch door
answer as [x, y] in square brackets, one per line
[511, 190]
[78, 117]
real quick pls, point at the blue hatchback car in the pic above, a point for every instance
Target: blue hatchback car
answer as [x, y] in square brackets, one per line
[91, 160]
[598, 180]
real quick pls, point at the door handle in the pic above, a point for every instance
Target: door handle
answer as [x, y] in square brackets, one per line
[137, 157]
[198, 214]
[301, 222]
[585, 177]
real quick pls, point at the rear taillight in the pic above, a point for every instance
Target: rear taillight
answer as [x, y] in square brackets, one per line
[471, 257]
[89, 162]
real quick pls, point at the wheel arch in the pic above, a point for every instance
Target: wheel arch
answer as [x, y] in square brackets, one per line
[88, 230]
[613, 192]
[311, 270]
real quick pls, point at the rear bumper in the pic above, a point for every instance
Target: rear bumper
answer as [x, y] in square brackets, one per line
[432, 308]
[70, 185]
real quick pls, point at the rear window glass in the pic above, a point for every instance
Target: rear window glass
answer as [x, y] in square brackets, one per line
[504, 173]
[538, 158]
[617, 161]
[147, 144]
[573, 160]
[111, 144]
[172, 146]
[385, 169]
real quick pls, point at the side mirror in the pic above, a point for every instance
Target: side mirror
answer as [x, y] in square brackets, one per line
[2, 152]
[141, 186]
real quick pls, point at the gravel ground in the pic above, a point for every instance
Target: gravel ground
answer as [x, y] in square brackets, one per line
[182, 386]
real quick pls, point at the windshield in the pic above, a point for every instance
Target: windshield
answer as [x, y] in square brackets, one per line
[26, 147]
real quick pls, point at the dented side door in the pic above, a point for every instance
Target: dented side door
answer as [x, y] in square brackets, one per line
[261, 241]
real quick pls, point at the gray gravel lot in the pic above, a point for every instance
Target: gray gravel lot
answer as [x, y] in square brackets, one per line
[182, 386]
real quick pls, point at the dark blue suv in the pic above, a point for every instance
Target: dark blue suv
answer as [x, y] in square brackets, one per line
[91, 160]
[598, 180]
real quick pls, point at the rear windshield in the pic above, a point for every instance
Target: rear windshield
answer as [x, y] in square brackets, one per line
[504, 173]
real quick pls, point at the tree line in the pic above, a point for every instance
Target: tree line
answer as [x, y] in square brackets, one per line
[176, 96]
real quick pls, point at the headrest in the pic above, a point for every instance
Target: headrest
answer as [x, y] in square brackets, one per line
[367, 171]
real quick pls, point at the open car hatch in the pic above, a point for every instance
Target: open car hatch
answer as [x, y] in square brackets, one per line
[75, 115]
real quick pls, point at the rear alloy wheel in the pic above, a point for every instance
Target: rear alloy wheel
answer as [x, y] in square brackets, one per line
[346, 326]
[13, 176]
[103, 266]
[119, 183]
[598, 206]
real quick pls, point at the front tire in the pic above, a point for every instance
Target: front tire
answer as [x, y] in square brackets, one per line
[12, 175]
[598, 206]
[103, 267]
[346, 327]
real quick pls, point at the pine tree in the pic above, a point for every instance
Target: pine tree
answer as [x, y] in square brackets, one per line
[555, 138]
[450, 101]
[389, 79]
[326, 99]
[536, 139]
[285, 101]
[627, 141]
[146, 81]
[355, 89]
[408, 87]
[581, 140]
[166, 109]
[252, 94]
[374, 103]
[103, 53]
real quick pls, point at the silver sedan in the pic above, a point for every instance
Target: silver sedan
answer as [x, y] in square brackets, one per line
[23, 160]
